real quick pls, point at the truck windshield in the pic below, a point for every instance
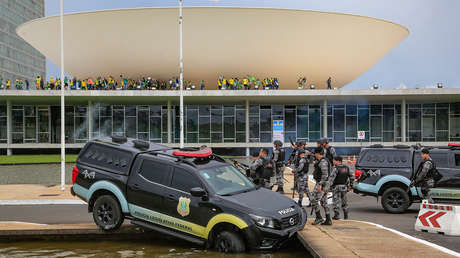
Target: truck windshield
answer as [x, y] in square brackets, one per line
[226, 180]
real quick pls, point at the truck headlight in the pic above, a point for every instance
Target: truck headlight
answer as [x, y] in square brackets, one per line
[263, 221]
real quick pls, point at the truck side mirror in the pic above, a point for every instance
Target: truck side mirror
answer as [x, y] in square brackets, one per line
[198, 192]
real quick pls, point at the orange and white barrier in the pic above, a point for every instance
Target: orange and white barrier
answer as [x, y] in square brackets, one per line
[439, 218]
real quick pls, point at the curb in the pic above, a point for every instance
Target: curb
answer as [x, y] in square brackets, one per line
[126, 231]
[308, 247]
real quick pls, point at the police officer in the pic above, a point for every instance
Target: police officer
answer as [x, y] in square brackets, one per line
[321, 176]
[257, 169]
[301, 176]
[341, 181]
[423, 178]
[278, 156]
[329, 150]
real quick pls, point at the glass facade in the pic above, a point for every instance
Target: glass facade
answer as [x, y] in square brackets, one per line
[227, 123]
[19, 60]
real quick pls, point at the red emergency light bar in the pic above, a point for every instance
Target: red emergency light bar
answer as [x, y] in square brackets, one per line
[203, 153]
[453, 145]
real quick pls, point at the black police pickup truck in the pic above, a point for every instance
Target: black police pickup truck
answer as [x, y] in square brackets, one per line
[187, 193]
[386, 172]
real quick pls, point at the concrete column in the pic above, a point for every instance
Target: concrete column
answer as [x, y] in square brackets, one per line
[9, 127]
[403, 120]
[90, 119]
[169, 122]
[325, 118]
[247, 127]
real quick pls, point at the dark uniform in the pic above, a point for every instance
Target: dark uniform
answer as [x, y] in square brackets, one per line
[258, 172]
[321, 176]
[341, 179]
[301, 177]
[424, 178]
[278, 156]
[329, 153]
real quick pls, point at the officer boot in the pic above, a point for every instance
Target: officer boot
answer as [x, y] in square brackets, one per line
[328, 220]
[280, 190]
[345, 214]
[337, 215]
[318, 219]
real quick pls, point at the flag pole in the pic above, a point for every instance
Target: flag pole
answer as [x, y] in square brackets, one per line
[181, 78]
[62, 99]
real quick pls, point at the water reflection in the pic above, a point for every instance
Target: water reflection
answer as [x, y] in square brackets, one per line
[134, 248]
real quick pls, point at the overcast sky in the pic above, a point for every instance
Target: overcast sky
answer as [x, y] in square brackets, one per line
[429, 55]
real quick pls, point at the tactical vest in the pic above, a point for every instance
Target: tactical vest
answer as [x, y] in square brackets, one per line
[317, 173]
[430, 172]
[342, 175]
[281, 157]
[305, 167]
[328, 154]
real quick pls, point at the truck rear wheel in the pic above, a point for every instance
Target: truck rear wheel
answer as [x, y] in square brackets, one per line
[395, 200]
[229, 242]
[107, 213]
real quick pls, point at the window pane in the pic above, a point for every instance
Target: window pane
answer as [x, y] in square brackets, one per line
[363, 120]
[130, 110]
[254, 128]
[216, 137]
[289, 120]
[314, 118]
[17, 119]
[205, 128]
[442, 122]
[31, 128]
[81, 128]
[414, 120]
[302, 127]
[376, 126]
[454, 126]
[352, 109]
[118, 121]
[229, 111]
[216, 120]
[241, 120]
[352, 127]
[155, 110]
[376, 109]
[388, 117]
[43, 118]
[131, 127]
[155, 125]
[339, 123]
[265, 120]
[302, 110]
[204, 110]
[192, 120]
[143, 121]
[184, 181]
[155, 171]
[428, 126]
[339, 137]
[229, 127]
[3, 134]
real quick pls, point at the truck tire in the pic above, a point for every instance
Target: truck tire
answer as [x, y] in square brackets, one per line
[229, 242]
[395, 200]
[107, 213]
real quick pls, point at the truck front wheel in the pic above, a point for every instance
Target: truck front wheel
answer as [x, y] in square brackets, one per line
[107, 213]
[229, 242]
[395, 200]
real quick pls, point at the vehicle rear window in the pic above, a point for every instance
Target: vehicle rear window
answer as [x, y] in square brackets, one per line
[155, 171]
[108, 158]
[384, 158]
[184, 181]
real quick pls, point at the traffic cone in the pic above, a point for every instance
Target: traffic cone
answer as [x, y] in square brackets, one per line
[354, 159]
[349, 160]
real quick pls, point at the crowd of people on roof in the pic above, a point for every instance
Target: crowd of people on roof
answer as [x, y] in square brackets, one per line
[123, 83]
[247, 83]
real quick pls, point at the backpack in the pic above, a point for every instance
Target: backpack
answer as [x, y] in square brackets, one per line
[434, 173]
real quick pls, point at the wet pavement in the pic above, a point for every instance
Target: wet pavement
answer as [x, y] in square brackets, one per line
[131, 248]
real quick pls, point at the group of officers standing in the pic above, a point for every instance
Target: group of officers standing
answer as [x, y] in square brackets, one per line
[330, 174]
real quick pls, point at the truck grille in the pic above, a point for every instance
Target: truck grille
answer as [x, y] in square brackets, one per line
[290, 221]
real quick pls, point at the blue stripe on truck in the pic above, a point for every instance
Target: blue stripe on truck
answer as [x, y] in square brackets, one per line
[102, 185]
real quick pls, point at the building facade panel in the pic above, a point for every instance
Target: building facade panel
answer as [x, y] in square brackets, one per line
[204, 124]
[19, 60]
